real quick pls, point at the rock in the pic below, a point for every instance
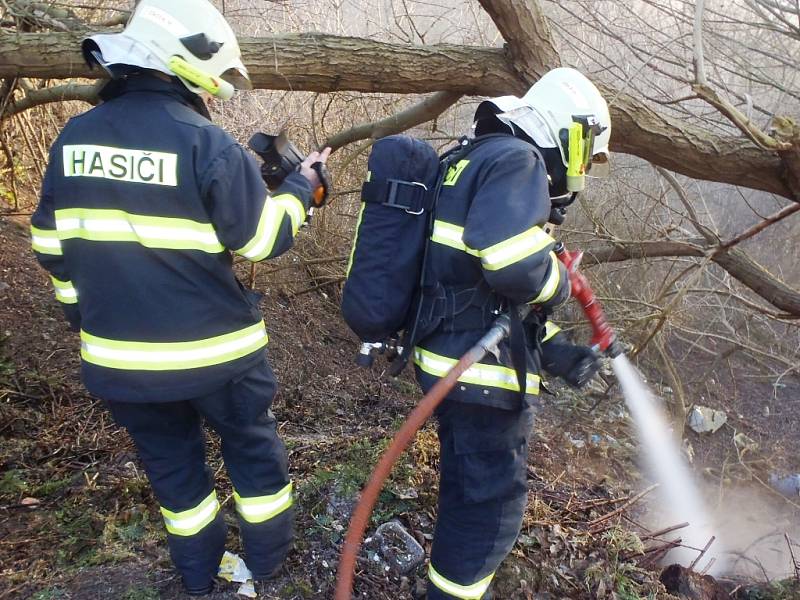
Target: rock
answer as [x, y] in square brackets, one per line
[30, 502]
[703, 419]
[688, 585]
[4, 286]
[398, 548]
[788, 486]
[745, 443]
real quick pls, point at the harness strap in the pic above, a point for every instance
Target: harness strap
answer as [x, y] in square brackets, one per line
[410, 196]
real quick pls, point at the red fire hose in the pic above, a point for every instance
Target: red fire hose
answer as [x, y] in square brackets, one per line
[603, 340]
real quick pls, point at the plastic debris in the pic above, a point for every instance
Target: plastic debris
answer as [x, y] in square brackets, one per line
[247, 589]
[233, 568]
[703, 419]
[744, 443]
[788, 486]
[398, 548]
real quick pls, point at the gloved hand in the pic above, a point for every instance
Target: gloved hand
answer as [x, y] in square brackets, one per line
[313, 168]
[574, 364]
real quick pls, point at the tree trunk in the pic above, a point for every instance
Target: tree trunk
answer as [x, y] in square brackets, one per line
[327, 63]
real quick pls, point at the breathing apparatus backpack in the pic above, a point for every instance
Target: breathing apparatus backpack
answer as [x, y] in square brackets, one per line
[388, 252]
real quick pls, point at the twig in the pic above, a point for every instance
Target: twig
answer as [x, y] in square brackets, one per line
[702, 552]
[708, 566]
[661, 532]
[758, 227]
[791, 553]
[622, 508]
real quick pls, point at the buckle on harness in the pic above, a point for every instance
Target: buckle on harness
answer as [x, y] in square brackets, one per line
[415, 195]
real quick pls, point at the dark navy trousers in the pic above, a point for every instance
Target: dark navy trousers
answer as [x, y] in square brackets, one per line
[171, 443]
[482, 496]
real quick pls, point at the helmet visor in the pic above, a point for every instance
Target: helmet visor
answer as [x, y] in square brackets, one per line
[238, 77]
[600, 166]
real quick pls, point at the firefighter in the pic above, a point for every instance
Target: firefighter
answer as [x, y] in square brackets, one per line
[143, 203]
[490, 252]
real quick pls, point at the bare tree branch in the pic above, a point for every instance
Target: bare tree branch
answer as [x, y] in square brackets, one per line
[69, 91]
[738, 264]
[430, 108]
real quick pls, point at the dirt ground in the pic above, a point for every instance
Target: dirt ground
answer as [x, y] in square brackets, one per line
[77, 519]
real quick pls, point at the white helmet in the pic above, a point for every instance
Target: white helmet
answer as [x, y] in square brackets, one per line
[187, 38]
[564, 110]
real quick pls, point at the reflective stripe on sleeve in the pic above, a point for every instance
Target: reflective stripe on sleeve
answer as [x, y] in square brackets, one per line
[550, 329]
[294, 208]
[170, 356]
[262, 508]
[467, 592]
[478, 374]
[269, 225]
[65, 292]
[45, 241]
[451, 235]
[192, 521]
[515, 249]
[551, 285]
[104, 225]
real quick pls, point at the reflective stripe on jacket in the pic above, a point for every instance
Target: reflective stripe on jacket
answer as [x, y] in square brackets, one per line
[142, 205]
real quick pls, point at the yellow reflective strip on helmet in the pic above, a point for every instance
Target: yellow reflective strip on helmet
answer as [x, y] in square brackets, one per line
[262, 508]
[104, 225]
[550, 330]
[261, 244]
[454, 172]
[516, 248]
[45, 241]
[169, 356]
[576, 168]
[451, 235]
[474, 591]
[355, 239]
[192, 521]
[551, 285]
[294, 208]
[65, 292]
[215, 86]
[478, 374]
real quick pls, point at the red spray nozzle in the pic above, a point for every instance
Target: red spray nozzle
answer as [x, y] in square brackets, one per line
[603, 337]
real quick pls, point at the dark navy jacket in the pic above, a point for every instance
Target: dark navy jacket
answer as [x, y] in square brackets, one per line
[142, 203]
[488, 233]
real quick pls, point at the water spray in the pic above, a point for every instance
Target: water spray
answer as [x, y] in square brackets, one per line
[662, 454]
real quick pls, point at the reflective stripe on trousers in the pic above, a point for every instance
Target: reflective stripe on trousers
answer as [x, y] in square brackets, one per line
[262, 508]
[192, 521]
[65, 291]
[473, 591]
